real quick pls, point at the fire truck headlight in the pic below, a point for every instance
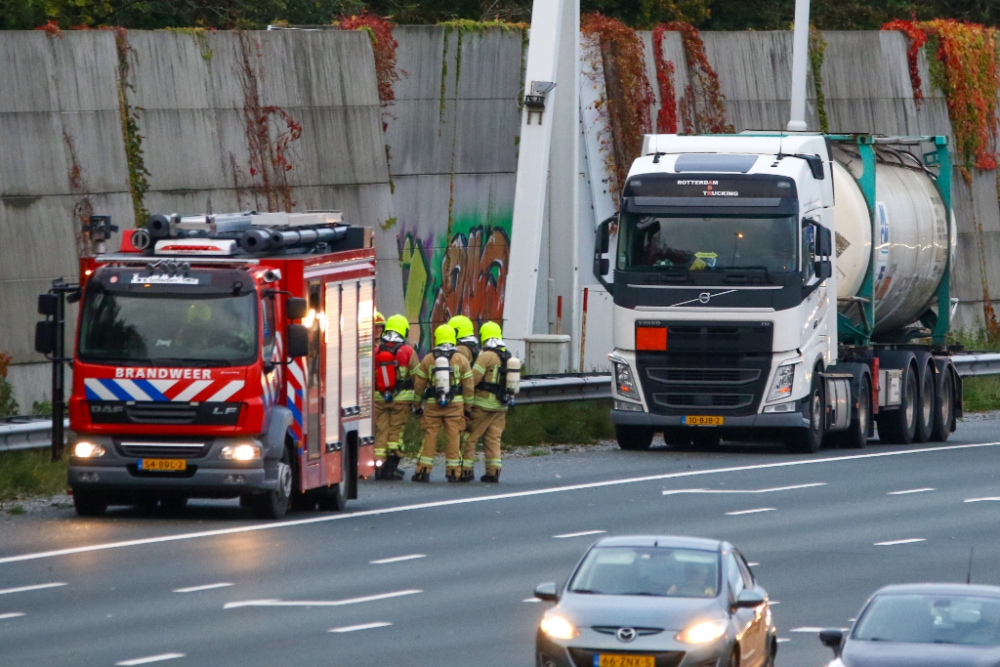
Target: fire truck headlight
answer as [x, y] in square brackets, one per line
[87, 450]
[240, 452]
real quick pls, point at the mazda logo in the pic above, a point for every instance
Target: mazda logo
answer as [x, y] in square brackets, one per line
[704, 297]
[626, 634]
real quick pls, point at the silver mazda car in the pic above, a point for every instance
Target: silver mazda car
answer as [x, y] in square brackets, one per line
[649, 601]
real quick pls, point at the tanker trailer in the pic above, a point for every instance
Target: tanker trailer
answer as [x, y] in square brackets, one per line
[789, 286]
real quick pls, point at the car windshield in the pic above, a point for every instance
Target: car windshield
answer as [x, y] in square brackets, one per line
[659, 571]
[168, 329]
[931, 619]
[652, 242]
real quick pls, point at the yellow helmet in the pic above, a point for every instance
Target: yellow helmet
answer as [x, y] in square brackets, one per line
[444, 334]
[379, 319]
[490, 330]
[198, 312]
[399, 324]
[463, 326]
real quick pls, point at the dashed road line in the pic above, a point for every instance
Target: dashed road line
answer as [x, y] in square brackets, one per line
[363, 626]
[756, 511]
[782, 640]
[806, 629]
[981, 500]
[149, 659]
[396, 559]
[531, 600]
[319, 603]
[673, 492]
[581, 534]
[36, 587]
[206, 587]
[13, 614]
[892, 543]
[907, 491]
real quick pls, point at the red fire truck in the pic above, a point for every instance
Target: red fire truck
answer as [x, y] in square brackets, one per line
[220, 356]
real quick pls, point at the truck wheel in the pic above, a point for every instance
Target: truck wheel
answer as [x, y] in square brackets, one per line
[334, 497]
[274, 504]
[89, 504]
[809, 440]
[897, 427]
[926, 401]
[944, 408]
[633, 437]
[856, 435]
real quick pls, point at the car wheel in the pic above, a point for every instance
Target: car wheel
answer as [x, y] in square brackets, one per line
[634, 437]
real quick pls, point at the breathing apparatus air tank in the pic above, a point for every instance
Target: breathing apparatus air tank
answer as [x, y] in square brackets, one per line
[442, 380]
[513, 376]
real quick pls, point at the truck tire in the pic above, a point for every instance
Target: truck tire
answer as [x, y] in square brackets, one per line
[856, 435]
[898, 427]
[944, 410]
[809, 440]
[334, 497]
[274, 504]
[88, 503]
[634, 438]
[926, 402]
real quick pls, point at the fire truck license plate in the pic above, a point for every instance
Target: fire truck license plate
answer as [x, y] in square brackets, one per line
[163, 465]
[611, 660]
[703, 420]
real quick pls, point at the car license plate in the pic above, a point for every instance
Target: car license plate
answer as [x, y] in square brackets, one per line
[163, 465]
[612, 660]
[703, 420]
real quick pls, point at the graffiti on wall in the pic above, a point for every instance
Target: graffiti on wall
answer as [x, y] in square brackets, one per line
[462, 274]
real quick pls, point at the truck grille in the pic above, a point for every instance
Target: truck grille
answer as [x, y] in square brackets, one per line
[703, 375]
[727, 401]
[173, 450]
[161, 413]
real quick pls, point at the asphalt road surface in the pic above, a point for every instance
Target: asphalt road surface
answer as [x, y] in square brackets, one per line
[442, 575]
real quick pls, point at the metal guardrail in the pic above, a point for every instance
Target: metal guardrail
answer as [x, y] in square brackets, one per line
[35, 432]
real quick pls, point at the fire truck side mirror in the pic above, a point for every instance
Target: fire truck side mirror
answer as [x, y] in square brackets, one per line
[48, 304]
[45, 337]
[296, 309]
[298, 341]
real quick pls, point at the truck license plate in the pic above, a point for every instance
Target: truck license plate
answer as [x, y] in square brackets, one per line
[703, 420]
[163, 465]
[612, 660]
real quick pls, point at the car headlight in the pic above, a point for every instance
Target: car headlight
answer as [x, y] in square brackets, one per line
[782, 385]
[558, 627]
[702, 633]
[624, 383]
[240, 452]
[87, 450]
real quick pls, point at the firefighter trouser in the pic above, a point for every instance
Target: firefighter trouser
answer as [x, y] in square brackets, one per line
[390, 420]
[451, 420]
[488, 425]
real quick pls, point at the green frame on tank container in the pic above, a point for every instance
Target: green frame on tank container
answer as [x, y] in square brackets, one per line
[940, 157]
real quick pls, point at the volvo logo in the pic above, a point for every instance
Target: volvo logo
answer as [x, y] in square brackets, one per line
[626, 634]
[704, 297]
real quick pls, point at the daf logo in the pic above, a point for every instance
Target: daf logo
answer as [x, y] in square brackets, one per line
[106, 409]
[626, 634]
[704, 297]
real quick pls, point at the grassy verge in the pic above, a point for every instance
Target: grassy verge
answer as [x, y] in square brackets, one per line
[30, 472]
[980, 393]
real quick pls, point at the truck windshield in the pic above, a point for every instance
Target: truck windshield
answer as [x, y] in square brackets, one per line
[168, 329]
[651, 242]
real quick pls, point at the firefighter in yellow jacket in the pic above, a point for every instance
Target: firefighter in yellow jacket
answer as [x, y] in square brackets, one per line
[395, 365]
[465, 332]
[448, 376]
[489, 410]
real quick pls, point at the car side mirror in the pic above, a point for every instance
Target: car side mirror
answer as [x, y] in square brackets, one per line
[547, 592]
[832, 638]
[296, 309]
[298, 341]
[45, 337]
[823, 269]
[749, 600]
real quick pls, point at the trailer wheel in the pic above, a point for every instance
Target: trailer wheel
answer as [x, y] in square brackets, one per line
[856, 435]
[634, 437]
[809, 440]
[926, 401]
[89, 504]
[274, 504]
[944, 408]
[898, 427]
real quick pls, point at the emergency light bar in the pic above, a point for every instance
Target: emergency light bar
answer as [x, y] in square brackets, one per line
[225, 247]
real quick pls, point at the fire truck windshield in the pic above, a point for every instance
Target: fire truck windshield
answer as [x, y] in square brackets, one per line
[168, 328]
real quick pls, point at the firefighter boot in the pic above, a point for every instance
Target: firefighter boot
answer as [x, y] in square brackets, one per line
[492, 479]
[468, 474]
[421, 476]
[392, 472]
[452, 474]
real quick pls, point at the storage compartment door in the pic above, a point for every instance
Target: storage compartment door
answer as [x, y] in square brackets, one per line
[349, 350]
[332, 372]
[366, 315]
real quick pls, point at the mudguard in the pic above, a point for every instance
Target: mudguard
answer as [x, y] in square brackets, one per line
[274, 438]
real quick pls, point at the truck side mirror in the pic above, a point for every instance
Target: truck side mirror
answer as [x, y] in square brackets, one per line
[602, 243]
[298, 341]
[45, 336]
[824, 241]
[296, 309]
[823, 269]
[48, 304]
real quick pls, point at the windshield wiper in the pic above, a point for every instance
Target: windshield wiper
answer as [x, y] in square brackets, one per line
[585, 590]
[655, 595]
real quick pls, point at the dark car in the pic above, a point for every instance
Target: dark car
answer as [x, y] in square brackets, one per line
[649, 601]
[922, 625]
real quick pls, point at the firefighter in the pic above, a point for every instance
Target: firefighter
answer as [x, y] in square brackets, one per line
[489, 411]
[446, 376]
[465, 332]
[378, 326]
[395, 365]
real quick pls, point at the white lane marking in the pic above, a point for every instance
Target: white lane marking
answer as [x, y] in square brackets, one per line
[753, 564]
[363, 626]
[319, 603]
[13, 614]
[36, 587]
[479, 499]
[777, 488]
[756, 511]
[581, 534]
[152, 658]
[979, 500]
[195, 589]
[903, 493]
[806, 629]
[782, 640]
[396, 559]
[895, 542]
[773, 602]
[531, 600]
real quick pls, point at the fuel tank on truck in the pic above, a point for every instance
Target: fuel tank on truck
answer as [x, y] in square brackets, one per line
[911, 237]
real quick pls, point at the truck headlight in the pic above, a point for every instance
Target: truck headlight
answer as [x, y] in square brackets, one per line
[240, 452]
[624, 384]
[87, 450]
[782, 385]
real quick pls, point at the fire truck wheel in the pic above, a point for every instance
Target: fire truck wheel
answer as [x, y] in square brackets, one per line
[89, 504]
[274, 504]
[334, 497]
